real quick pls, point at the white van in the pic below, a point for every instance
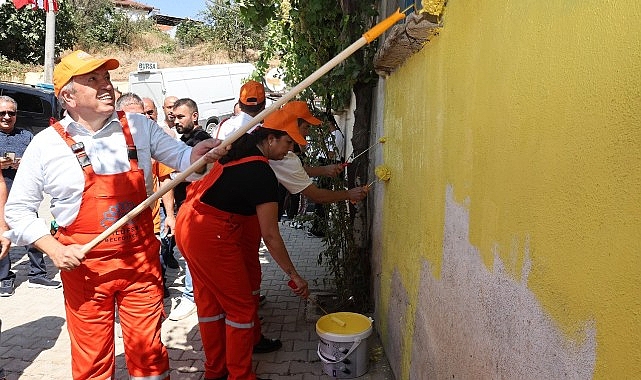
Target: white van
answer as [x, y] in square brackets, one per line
[214, 88]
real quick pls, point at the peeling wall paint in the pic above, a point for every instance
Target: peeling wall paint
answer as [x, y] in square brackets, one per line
[482, 323]
[514, 140]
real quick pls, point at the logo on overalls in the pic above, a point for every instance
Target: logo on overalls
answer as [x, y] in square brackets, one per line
[116, 212]
[128, 231]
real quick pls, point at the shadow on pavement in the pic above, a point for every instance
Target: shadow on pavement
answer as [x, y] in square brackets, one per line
[25, 338]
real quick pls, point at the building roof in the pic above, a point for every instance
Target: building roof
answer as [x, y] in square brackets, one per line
[167, 20]
[132, 4]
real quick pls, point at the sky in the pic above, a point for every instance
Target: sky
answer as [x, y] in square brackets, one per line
[177, 8]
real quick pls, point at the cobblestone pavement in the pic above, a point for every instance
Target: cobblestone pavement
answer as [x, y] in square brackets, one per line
[35, 343]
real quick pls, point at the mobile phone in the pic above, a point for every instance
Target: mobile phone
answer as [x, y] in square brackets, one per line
[10, 155]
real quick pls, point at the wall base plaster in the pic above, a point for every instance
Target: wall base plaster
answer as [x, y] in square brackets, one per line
[475, 323]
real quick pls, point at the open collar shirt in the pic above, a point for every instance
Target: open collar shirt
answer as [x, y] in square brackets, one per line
[49, 166]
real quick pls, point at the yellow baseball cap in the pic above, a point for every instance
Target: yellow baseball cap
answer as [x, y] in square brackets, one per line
[78, 63]
[286, 122]
[300, 109]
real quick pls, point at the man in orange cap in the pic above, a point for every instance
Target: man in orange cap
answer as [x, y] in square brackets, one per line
[251, 102]
[96, 166]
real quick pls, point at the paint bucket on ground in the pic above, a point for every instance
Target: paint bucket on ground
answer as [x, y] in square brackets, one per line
[343, 349]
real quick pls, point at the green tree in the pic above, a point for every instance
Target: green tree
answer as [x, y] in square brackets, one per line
[22, 38]
[191, 33]
[98, 22]
[229, 30]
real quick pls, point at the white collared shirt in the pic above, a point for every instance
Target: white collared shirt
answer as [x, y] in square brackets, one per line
[49, 166]
[232, 124]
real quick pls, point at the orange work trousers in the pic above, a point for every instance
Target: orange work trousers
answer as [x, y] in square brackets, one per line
[223, 265]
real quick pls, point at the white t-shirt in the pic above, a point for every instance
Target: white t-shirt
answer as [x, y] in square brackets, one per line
[290, 173]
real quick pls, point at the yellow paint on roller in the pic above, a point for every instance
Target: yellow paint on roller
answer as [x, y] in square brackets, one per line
[384, 173]
[433, 7]
[382, 140]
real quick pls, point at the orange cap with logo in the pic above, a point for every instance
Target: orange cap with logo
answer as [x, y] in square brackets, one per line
[78, 63]
[252, 93]
[286, 122]
[300, 109]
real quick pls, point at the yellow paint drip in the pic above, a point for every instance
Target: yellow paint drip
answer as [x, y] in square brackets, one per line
[353, 324]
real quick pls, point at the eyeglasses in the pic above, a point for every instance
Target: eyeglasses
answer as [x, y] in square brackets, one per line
[10, 113]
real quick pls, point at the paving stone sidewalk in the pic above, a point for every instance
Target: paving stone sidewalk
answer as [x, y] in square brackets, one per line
[35, 345]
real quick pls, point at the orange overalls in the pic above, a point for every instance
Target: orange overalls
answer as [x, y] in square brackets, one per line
[221, 249]
[123, 269]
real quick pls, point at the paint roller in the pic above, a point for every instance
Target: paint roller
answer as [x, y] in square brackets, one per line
[336, 320]
[350, 160]
[383, 173]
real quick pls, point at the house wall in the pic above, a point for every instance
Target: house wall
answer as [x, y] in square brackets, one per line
[507, 243]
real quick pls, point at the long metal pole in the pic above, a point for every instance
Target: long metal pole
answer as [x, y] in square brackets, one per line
[368, 37]
[50, 42]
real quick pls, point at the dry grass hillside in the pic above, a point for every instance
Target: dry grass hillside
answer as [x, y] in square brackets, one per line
[146, 47]
[151, 47]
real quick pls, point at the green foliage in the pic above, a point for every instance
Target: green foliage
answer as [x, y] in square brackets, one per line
[98, 22]
[10, 70]
[303, 35]
[191, 33]
[22, 37]
[229, 31]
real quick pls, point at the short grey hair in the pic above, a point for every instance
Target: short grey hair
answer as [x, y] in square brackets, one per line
[67, 88]
[127, 99]
[8, 99]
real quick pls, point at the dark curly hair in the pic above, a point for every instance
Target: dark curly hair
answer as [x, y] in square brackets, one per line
[247, 142]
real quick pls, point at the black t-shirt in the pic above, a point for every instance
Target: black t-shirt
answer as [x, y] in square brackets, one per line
[242, 187]
[195, 136]
[190, 138]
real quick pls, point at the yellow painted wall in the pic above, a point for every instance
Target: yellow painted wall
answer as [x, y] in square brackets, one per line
[531, 111]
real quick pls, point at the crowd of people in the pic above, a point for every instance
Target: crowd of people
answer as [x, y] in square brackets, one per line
[108, 155]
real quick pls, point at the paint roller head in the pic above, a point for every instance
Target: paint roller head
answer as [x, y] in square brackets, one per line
[384, 173]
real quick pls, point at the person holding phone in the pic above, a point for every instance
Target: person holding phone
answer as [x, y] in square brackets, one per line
[13, 142]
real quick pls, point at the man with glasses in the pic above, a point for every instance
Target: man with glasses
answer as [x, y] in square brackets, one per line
[150, 109]
[13, 142]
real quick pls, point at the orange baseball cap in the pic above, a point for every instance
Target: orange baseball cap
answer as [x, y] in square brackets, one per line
[286, 122]
[78, 63]
[301, 110]
[252, 93]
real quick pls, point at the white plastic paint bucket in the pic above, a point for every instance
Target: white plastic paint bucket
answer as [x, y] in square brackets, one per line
[343, 349]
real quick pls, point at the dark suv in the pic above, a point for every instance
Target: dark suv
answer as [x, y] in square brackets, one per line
[37, 104]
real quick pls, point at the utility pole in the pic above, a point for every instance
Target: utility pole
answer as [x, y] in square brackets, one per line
[50, 41]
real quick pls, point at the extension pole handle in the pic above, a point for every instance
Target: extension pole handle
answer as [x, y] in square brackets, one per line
[369, 36]
[382, 26]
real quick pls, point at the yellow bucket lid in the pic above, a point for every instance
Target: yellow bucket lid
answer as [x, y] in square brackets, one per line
[353, 325]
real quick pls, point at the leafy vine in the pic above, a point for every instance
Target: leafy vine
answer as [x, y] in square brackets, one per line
[302, 35]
